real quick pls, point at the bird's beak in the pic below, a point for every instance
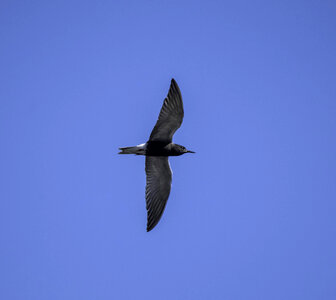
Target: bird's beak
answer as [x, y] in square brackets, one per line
[188, 151]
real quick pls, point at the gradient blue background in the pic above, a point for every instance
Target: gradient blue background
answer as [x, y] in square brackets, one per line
[252, 215]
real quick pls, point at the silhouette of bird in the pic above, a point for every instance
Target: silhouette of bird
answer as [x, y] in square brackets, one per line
[157, 149]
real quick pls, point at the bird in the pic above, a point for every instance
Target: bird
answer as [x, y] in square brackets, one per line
[157, 150]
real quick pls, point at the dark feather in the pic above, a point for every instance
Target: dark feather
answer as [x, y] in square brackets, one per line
[170, 117]
[158, 184]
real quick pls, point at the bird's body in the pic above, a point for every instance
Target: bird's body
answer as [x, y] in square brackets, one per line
[157, 149]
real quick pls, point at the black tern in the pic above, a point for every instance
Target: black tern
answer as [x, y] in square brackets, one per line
[157, 149]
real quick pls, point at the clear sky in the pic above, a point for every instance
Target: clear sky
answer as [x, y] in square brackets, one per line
[251, 215]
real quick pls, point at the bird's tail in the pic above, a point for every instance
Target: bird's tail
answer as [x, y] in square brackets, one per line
[139, 150]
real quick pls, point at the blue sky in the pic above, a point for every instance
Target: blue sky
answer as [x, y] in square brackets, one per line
[250, 216]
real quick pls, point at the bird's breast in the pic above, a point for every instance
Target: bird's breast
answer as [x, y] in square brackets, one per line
[155, 148]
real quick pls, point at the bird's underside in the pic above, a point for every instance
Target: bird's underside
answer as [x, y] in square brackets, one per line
[158, 172]
[157, 150]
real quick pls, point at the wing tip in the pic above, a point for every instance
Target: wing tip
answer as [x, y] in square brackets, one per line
[151, 223]
[174, 85]
[173, 82]
[149, 228]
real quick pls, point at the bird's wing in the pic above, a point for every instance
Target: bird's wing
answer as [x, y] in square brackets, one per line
[170, 117]
[158, 183]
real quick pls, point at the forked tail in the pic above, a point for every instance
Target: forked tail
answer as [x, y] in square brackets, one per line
[138, 150]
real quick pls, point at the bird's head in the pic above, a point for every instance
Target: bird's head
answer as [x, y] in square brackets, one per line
[181, 149]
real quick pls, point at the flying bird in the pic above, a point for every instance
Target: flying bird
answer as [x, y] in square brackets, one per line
[157, 149]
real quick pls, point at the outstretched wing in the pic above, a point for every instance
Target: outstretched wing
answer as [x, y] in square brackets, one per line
[158, 183]
[170, 117]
